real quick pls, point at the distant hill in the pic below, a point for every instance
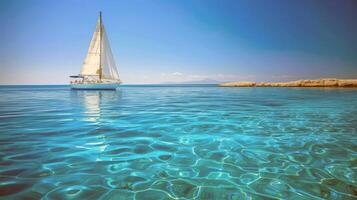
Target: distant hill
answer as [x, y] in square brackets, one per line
[203, 81]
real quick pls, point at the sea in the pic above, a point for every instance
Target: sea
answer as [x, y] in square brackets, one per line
[178, 142]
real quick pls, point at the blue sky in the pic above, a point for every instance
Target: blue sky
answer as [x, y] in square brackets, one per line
[43, 42]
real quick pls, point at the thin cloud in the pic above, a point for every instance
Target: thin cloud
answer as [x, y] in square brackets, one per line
[177, 74]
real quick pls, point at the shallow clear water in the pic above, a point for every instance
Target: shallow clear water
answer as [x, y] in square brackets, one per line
[178, 143]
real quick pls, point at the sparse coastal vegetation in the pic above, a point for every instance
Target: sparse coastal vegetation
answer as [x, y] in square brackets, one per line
[326, 82]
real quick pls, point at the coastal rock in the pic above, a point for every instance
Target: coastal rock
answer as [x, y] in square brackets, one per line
[239, 84]
[348, 83]
[327, 82]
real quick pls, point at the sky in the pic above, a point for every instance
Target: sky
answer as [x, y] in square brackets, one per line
[160, 41]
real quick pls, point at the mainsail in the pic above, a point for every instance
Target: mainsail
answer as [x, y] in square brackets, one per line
[99, 60]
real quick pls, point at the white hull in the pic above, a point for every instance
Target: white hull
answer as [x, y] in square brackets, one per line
[95, 86]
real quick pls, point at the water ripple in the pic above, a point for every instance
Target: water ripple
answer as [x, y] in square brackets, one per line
[178, 143]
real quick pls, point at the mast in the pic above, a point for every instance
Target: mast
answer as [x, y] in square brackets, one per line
[100, 45]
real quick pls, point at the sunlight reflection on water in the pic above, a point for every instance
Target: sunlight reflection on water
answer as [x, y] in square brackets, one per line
[178, 142]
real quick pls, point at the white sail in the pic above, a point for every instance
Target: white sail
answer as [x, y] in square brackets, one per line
[109, 69]
[99, 60]
[91, 63]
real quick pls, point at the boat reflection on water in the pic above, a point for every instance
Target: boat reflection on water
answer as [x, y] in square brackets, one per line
[96, 112]
[94, 104]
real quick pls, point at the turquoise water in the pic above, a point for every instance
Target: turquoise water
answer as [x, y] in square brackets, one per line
[194, 142]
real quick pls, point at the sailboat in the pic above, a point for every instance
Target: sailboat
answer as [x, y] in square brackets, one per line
[99, 71]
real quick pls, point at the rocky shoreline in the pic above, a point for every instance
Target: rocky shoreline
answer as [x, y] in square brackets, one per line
[327, 82]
